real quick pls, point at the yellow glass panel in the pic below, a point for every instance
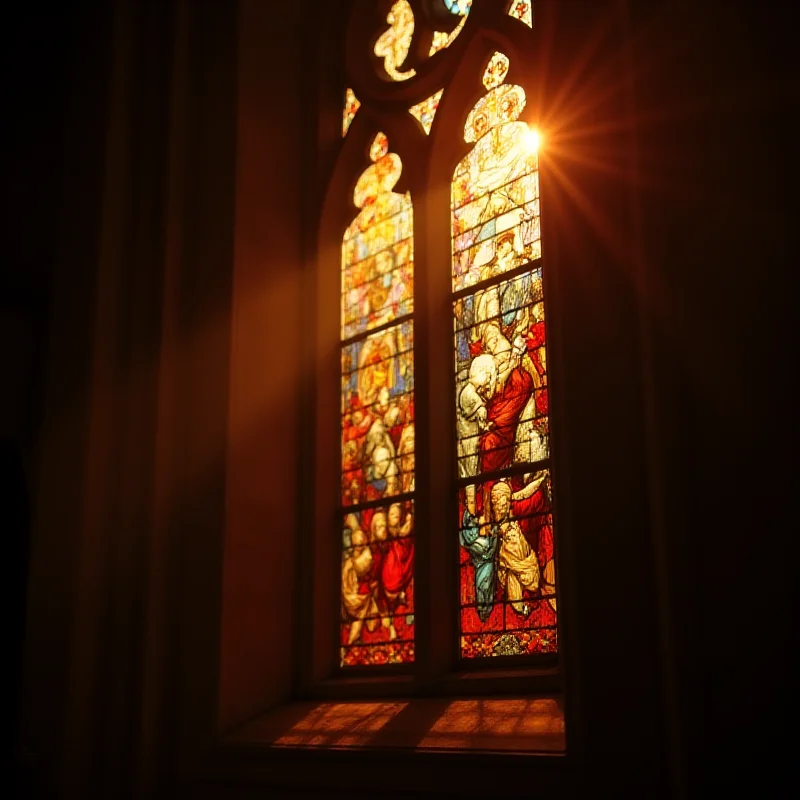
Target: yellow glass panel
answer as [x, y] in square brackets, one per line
[392, 45]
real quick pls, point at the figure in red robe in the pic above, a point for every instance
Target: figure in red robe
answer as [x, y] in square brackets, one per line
[530, 505]
[535, 345]
[397, 568]
[380, 546]
[504, 411]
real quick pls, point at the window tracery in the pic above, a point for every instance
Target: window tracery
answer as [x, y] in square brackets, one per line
[392, 45]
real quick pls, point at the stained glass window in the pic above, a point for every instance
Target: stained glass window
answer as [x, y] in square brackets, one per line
[393, 44]
[351, 105]
[377, 412]
[507, 568]
[502, 523]
[522, 10]
[426, 110]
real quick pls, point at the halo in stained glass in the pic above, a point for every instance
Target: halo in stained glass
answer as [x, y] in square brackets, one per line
[505, 104]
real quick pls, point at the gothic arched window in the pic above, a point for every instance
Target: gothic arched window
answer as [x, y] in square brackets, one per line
[443, 517]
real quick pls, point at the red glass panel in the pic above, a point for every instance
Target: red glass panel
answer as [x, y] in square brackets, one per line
[378, 585]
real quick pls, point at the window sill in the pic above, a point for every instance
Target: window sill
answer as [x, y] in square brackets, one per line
[409, 744]
[509, 724]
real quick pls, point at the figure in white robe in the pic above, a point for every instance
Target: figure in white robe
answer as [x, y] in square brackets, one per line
[518, 564]
[358, 600]
[472, 413]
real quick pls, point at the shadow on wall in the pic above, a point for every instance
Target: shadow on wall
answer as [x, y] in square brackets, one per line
[15, 523]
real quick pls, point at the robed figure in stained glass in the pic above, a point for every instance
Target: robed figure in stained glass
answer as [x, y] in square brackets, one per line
[358, 601]
[378, 585]
[480, 541]
[518, 565]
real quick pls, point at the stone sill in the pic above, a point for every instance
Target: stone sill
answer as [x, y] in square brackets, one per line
[399, 748]
[513, 725]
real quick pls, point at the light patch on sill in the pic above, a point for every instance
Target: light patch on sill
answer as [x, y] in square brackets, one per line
[424, 724]
[340, 725]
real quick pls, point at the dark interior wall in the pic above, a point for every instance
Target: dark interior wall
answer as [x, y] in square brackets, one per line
[65, 277]
[609, 596]
[270, 318]
[33, 52]
[130, 606]
[35, 55]
[130, 501]
[717, 89]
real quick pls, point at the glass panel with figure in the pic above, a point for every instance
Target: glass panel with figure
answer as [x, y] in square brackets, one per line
[501, 376]
[507, 568]
[495, 189]
[377, 420]
[377, 249]
[378, 586]
[378, 416]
